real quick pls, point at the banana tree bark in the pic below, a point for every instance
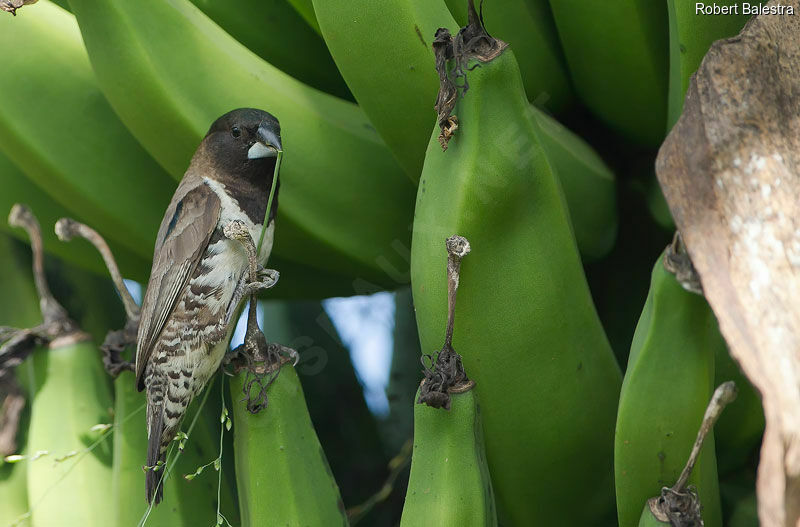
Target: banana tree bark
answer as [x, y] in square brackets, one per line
[730, 171]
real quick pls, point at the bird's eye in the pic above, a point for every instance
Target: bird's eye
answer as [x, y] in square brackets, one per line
[235, 131]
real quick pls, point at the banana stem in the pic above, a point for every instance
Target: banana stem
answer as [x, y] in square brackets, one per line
[53, 313]
[723, 395]
[67, 228]
[457, 248]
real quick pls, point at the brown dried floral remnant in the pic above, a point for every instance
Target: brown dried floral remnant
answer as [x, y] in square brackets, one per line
[452, 55]
[730, 170]
[11, 6]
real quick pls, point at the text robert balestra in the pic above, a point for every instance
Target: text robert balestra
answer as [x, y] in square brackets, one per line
[744, 8]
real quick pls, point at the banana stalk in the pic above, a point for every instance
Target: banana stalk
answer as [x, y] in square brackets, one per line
[65, 136]
[282, 475]
[495, 186]
[669, 377]
[187, 71]
[276, 32]
[617, 55]
[528, 27]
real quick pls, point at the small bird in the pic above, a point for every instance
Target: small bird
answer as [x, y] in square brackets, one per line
[199, 277]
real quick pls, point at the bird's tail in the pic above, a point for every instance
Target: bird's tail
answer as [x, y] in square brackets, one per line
[154, 488]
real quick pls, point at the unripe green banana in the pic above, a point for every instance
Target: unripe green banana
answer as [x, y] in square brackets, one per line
[337, 175]
[383, 50]
[276, 32]
[282, 475]
[617, 55]
[186, 503]
[20, 309]
[669, 378]
[18, 188]
[680, 504]
[65, 136]
[528, 27]
[71, 397]
[449, 483]
[549, 398]
[589, 186]
[690, 36]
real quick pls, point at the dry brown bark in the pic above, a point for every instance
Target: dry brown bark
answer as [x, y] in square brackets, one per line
[730, 170]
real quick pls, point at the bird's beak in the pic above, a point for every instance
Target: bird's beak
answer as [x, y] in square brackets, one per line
[267, 145]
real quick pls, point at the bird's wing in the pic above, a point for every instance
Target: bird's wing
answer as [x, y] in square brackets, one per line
[185, 231]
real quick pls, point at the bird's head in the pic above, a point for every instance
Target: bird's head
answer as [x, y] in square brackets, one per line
[244, 142]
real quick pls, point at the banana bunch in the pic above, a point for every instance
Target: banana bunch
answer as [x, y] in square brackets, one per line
[669, 378]
[282, 475]
[547, 376]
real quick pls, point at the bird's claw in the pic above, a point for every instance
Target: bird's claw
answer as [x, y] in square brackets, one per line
[267, 278]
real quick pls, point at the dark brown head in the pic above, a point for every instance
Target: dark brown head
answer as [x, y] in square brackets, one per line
[242, 147]
[244, 142]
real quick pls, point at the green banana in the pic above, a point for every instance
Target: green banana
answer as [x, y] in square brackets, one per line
[362, 35]
[449, 483]
[20, 309]
[589, 186]
[337, 176]
[617, 56]
[669, 377]
[65, 136]
[690, 36]
[13, 475]
[186, 503]
[282, 475]
[18, 188]
[324, 368]
[71, 396]
[494, 185]
[680, 504]
[528, 27]
[275, 31]
[305, 9]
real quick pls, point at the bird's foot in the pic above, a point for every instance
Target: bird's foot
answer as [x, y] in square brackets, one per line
[265, 279]
[114, 344]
